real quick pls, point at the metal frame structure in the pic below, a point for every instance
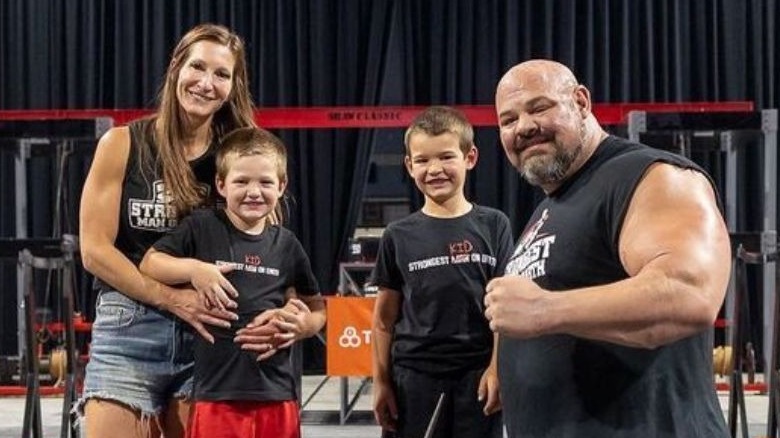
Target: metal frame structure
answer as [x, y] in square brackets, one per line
[64, 261]
[29, 138]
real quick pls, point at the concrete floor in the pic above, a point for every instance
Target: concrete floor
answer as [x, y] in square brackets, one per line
[321, 415]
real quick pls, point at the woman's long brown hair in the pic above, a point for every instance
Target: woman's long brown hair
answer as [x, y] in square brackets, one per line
[238, 111]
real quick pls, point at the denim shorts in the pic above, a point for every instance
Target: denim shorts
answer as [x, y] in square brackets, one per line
[139, 356]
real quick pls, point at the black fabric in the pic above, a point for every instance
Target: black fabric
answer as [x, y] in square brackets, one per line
[563, 386]
[440, 267]
[460, 415]
[143, 213]
[264, 266]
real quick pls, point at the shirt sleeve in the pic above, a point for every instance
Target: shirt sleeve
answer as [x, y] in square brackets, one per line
[505, 243]
[180, 241]
[304, 281]
[386, 273]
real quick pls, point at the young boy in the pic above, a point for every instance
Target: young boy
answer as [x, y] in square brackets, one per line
[430, 335]
[237, 393]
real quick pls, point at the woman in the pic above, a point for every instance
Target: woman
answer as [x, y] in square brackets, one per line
[144, 177]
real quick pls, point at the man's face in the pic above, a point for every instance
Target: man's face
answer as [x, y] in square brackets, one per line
[540, 124]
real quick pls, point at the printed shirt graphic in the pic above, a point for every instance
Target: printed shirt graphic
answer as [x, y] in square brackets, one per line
[533, 250]
[154, 214]
[264, 267]
[252, 264]
[457, 253]
[441, 267]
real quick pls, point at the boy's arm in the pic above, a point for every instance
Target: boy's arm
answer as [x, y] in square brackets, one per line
[489, 383]
[302, 315]
[315, 320]
[206, 278]
[386, 310]
[166, 268]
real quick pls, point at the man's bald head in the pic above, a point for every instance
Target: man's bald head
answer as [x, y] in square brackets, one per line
[542, 73]
[545, 121]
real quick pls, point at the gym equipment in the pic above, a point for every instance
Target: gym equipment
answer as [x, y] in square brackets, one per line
[63, 362]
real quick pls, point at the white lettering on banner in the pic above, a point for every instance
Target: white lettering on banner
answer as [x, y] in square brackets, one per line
[351, 339]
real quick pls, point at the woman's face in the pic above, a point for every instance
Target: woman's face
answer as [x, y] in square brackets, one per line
[205, 80]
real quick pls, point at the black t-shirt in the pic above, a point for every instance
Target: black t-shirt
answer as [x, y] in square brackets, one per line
[563, 386]
[441, 267]
[265, 266]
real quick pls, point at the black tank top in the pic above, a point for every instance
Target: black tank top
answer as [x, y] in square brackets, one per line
[564, 386]
[144, 214]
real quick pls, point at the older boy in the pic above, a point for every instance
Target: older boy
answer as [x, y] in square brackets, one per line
[430, 335]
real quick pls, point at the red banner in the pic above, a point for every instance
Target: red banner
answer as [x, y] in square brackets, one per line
[379, 116]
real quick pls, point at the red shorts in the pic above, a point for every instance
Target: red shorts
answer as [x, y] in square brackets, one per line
[244, 419]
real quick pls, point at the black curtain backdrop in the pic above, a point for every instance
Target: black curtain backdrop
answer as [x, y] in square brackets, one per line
[81, 54]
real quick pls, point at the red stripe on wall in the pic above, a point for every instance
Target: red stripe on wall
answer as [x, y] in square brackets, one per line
[379, 116]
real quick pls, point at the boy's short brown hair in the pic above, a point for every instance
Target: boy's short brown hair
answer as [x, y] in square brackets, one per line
[437, 120]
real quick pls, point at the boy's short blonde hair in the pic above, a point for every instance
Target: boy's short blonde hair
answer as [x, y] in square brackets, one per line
[437, 120]
[248, 141]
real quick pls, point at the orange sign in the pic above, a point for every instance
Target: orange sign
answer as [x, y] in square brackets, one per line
[348, 347]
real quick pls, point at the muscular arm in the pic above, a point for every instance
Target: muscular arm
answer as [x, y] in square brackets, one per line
[99, 213]
[675, 247]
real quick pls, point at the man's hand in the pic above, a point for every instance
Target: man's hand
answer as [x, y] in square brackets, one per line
[514, 305]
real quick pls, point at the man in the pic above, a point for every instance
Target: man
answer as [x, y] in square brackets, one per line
[606, 310]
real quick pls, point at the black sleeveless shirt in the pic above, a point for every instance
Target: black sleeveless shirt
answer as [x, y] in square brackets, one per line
[564, 386]
[144, 213]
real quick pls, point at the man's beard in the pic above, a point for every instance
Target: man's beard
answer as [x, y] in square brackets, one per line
[544, 169]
